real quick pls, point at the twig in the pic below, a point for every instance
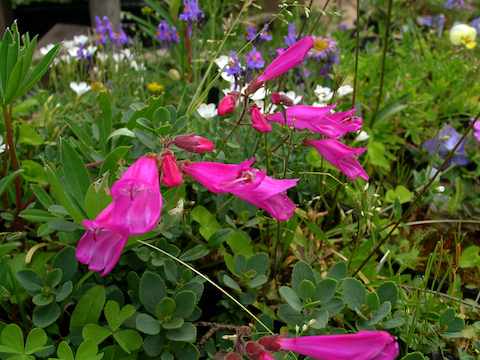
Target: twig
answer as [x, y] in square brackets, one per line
[438, 293]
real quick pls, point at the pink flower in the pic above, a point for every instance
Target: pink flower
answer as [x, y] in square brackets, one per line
[136, 196]
[319, 119]
[247, 183]
[102, 243]
[171, 174]
[194, 143]
[281, 99]
[476, 130]
[288, 59]
[259, 122]
[364, 345]
[255, 351]
[227, 105]
[341, 156]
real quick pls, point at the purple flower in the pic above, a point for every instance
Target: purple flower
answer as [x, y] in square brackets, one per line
[166, 34]
[476, 130]
[444, 142]
[251, 33]
[234, 68]
[434, 22]
[101, 31]
[476, 24]
[119, 38]
[254, 59]
[105, 33]
[454, 4]
[191, 11]
[264, 35]
[291, 36]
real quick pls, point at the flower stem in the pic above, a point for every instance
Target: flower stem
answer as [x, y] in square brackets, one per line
[237, 124]
[357, 51]
[7, 115]
[384, 59]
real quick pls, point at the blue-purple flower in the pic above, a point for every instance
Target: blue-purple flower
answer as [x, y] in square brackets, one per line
[435, 22]
[105, 33]
[191, 11]
[234, 68]
[476, 24]
[454, 4]
[264, 35]
[166, 34]
[325, 51]
[291, 37]
[254, 59]
[444, 142]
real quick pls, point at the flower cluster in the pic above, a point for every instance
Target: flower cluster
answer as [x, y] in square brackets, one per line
[364, 345]
[166, 34]
[105, 33]
[191, 12]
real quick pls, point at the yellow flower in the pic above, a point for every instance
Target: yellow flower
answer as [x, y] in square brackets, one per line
[147, 10]
[463, 34]
[98, 86]
[155, 87]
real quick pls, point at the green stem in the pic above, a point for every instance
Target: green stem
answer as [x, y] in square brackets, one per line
[384, 59]
[7, 115]
[357, 51]
[207, 279]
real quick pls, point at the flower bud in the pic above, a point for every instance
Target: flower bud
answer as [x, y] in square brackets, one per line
[171, 174]
[227, 104]
[259, 122]
[232, 356]
[281, 99]
[194, 143]
[174, 74]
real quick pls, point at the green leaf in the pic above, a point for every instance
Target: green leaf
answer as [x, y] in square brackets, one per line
[66, 261]
[53, 277]
[34, 172]
[452, 322]
[381, 313]
[29, 136]
[414, 356]
[89, 307]
[30, 281]
[187, 333]
[400, 194]
[112, 159]
[77, 179]
[129, 340]
[185, 303]
[240, 243]
[63, 291]
[88, 351]
[376, 155]
[470, 256]
[301, 271]
[306, 290]
[147, 324]
[97, 197]
[165, 308]
[326, 290]
[116, 317]
[173, 323]
[7, 180]
[12, 336]
[152, 290]
[208, 223]
[64, 352]
[292, 299]
[354, 293]
[44, 316]
[95, 333]
[388, 291]
[338, 271]
[197, 252]
[36, 340]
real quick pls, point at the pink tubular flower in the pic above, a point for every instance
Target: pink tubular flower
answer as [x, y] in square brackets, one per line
[288, 59]
[171, 174]
[318, 119]
[227, 105]
[343, 157]
[364, 345]
[247, 183]
[281, 99]
[102, 244]
[255, 351]
[136, 196]
[194, 143]
[259, 122]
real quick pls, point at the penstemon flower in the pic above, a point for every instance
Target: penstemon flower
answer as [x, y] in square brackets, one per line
[259, 122]
[171, 174]
[227, 105]
[194, 143]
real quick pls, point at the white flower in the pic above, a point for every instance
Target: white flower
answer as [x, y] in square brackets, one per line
[73, 51]
[344, 90]
[136, 66]
[68, 44]
[463, 34]
[221, 61]
[46, 49]
[323, 93]
[292, 96]
[362, 136]
[2, 145]
[91, 50]
[117, 57]
[102, 57]
[441, 188]
[127, 54]
[79, 88]
[80, 39]
[207, 111]
[259, 94]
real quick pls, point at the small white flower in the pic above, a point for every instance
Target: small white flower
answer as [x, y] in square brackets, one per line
[221, 61]
[80, 39]
[136, 66]
[46, 49]
[127, 54]
[207, 111]
[91, 50]
[463, 34]
[3, 147]
[344, 90]
[362, 136]
[73, 51]
[441, 188]
[79, 88]
[67, 44]
[259, 94]
[102, 57]
[292, 96]
[323, 93]
[117, 57]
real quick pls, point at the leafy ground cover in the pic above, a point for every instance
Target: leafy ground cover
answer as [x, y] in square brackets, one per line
[212, 175]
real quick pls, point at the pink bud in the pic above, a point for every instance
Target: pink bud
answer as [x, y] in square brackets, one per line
[281, 99]
[171, 174]
[259, 122]
[232, 356]
[227, 104]
[194, 143]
